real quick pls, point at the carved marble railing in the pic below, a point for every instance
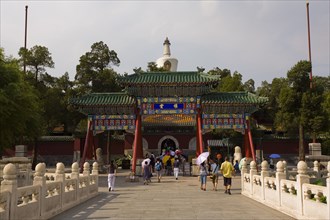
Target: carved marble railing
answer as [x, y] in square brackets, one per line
[47, 197]
[297, 198]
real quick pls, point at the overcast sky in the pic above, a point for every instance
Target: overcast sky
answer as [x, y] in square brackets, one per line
[259, 39]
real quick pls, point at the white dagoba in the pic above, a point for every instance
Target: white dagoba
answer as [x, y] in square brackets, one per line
[166, 61]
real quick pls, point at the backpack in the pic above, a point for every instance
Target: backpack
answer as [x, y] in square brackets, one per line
[158, 166]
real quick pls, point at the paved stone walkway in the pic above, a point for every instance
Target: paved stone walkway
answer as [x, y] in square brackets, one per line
[169, 199]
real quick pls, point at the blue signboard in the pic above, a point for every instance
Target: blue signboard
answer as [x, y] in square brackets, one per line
[168, 106]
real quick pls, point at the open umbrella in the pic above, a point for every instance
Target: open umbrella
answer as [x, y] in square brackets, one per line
[165, 158]
[202, 157]
[274, 156]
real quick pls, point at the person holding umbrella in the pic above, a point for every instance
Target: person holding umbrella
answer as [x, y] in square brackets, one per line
[227, 170]
[203, 175]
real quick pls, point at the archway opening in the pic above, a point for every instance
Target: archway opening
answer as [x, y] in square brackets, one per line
[168, 145]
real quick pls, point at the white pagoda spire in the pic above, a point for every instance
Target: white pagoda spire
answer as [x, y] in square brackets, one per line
[166, 50]
[166, 61]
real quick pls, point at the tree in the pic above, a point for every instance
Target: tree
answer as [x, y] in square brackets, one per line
[222, 73]
[54, 95]
[249, 86]
[37, 58]
[20, 108]
[231, 83]
[94, 67]
[152, 67]
[291, 107]
[271, 91]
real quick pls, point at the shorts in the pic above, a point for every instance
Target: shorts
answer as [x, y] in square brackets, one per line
[215, 178]
[226, 181]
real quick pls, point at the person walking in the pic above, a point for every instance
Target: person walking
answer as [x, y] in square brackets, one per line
[215, 176]
[176, 166]
[215, 170]
[158, 168]
[227, 171]
[146, 173]
[203, 175]
[112, 176]
[169, 167]
[236, 166]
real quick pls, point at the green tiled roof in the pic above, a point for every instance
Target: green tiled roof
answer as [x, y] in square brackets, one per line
[232, 98]
[104, 99]
[168, 78]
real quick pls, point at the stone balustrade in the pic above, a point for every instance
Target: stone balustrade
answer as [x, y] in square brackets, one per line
[46, 197]
[297, 198]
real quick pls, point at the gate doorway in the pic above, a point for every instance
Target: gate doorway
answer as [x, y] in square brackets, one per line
[168, 145]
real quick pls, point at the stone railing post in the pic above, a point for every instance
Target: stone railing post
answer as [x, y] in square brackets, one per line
[280, 175]
[9, 184]
[285, 169]
[316, 168]
[264, 173]
[60, 177]
[75, 175]
[243, 171]
[95, 170]
[253, 171]
[75, 171]
[302, 178]
[86, 171]
[40, 180]
[60, 172]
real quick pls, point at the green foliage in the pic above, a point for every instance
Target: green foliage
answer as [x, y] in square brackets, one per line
[37, 58]
[93, 71]
[152, 67]
[20, 108]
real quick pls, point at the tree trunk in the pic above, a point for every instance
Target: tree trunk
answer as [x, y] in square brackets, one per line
[301, 143]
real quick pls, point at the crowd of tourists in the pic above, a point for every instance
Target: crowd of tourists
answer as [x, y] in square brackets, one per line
[170, 166]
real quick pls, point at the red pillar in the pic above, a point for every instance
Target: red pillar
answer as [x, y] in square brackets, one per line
[250, 140]
[137, 145]
[199, 138]
[247, 149]
[86, 145]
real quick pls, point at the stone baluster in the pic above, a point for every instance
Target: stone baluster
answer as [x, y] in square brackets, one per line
[302, 178]
[285, 164]
[60, 172]
[264, 173]
[86, 171]
[279, 176]
[75, 171]
[253, 171]
[40, 180]
[95, 170]
[316, 168]
[9, 184]
[75, 175]
[244, 170]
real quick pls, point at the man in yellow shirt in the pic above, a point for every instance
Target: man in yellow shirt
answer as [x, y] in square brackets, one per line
[227, 170]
